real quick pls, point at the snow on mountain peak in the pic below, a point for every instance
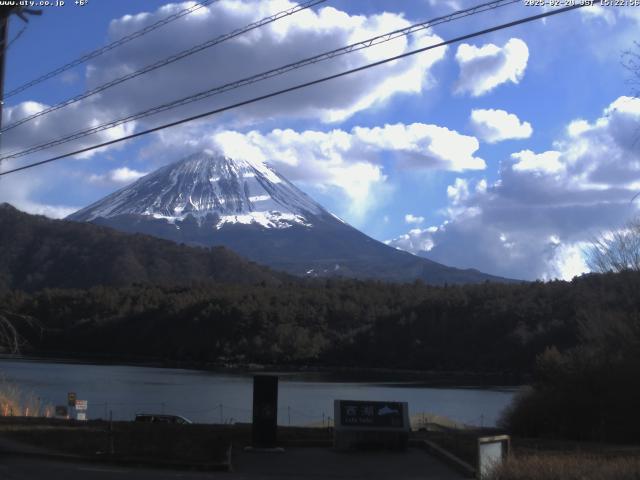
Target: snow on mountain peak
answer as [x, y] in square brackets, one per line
[207, 184]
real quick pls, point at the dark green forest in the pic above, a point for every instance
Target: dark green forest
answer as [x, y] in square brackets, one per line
[476, 328]
[38, 252]
[589, 391]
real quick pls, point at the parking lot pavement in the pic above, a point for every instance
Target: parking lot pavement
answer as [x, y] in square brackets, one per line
[29, 468]
[324, 463]
[293, 463]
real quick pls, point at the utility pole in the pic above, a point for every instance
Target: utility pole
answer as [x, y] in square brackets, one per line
[5, 13]
[4, 38]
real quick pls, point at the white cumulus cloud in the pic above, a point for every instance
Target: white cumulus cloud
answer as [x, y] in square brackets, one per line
[415, 240]
[413, 219]
[484, 68]
[58, 124]
[121, 176]
[279, 43]
[494, 126]
[536, 218]
[421, 145]
[348, 160]
[546, 162]
[414, 146]
[17, 189]
[285, 41]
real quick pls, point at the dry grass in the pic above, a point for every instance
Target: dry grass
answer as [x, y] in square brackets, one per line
[426, 420]
[16, 403]
[126, 439]
[568, 467]
[194, 443]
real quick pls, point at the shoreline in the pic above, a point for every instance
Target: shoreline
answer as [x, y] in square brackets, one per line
[403, 377]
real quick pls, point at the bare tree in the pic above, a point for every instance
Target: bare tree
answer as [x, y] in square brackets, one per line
[620, 250]
[616, 251]
[631, 61]
[9, 337]
[11, 326]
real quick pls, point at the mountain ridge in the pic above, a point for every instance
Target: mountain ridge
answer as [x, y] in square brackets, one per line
[207, 199]
[40, 252]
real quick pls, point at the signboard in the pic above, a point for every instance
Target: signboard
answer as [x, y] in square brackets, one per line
[491, 452]
[71, 399]
[370, 424]
[265, 411]
[62, 411]
[81, 416]
[354, 413]
[81, 404]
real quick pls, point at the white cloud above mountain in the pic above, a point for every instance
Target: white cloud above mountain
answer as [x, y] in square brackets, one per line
[413, 219]
[117, 176]
[414, 146]
[348, 160]
[420, 145]
[494, 126]
[545, 207]
[600, 12]
[484, 68]
[306, 33]
[51, 211]
[351, 161]
[324, 28]
[415, 240]
[58, 124]
[545, 162]
[18, 191]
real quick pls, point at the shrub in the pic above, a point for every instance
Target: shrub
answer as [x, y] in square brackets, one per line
[589, 392]
[567, 467]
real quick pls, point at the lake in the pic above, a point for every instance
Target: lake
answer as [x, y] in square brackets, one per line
[213, 397]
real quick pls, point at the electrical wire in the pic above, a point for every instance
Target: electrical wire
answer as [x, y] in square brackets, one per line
[167, 61]
[370, 42]
[15, 38]
[300, 86]
[99, 51]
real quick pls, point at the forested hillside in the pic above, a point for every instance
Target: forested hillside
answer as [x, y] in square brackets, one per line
[488, 327]
[38, 253]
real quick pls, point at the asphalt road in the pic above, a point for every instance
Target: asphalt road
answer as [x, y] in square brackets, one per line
[296, 463]
[23, 468]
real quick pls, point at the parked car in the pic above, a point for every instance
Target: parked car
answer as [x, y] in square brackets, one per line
[162, 418]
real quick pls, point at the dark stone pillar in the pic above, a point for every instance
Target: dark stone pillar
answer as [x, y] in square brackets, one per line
[265, 411]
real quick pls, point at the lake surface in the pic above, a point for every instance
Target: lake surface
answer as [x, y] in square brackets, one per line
[213, 397]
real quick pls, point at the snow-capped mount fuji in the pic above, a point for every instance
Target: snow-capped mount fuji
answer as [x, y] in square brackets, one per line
[209, 187]
[207, 199]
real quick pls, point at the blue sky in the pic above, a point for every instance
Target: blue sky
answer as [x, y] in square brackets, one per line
[506, 153]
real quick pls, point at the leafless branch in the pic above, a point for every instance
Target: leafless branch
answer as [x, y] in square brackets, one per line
[11, 340]
[616, 251]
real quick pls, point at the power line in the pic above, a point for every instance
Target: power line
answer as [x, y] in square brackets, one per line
[200, 47]
[379, 39]
[169, 60]
[17, 36]
[99, 51]
[300, 86]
